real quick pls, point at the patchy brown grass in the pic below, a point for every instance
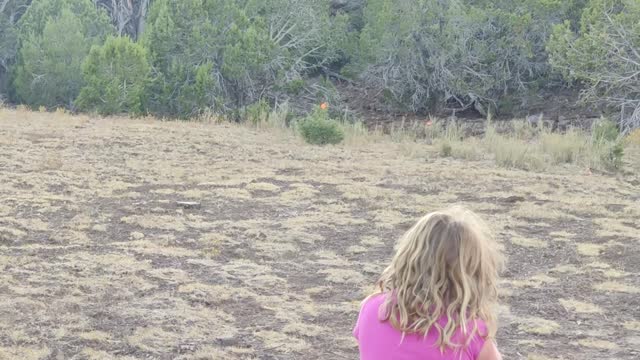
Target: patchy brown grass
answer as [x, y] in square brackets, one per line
[98, 260]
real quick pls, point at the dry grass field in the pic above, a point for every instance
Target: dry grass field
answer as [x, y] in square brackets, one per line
[99, 261]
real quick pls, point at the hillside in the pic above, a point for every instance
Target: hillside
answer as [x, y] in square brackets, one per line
[100, 258]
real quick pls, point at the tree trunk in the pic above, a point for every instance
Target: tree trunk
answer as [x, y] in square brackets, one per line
[142, 16]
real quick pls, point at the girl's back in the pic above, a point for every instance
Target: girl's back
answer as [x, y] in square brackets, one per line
[378, 340]
[447, 263]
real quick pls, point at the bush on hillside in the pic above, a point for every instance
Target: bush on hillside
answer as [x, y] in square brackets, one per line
[319, 129]
[94, 20]
[225, 55]
[50, 72]
[8, 50]
[433, 54]
[607, 144]
[604, 131]
[115, 75]
[55, 37]
[603, 56]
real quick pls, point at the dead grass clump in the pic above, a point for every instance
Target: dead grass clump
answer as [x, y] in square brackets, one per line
[95, 335]
[451, 142]
[343, 276]
[615, 286]
[161, 222]
[261, 116]
[538, 326]
[51, 161]
[580, 306]
[357, 133]
[528, 242]
[303, 329]
[530, 210]
[590, 249]
[24, 353]
[523, 146]
[564, 148]
[597, 344]
[154, 340]
[281, 342]
[511, 152]
[263, 186]
[632, 325]
[633, 138]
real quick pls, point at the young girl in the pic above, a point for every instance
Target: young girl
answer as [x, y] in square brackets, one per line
[436, 298]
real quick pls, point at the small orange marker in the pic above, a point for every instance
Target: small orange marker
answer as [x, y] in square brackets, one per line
[324, 106]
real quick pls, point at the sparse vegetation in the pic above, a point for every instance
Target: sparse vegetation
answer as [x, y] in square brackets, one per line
[231, 235]
[526, 147]
[287, 238]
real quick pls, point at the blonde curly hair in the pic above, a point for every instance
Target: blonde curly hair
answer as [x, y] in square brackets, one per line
[447, 264]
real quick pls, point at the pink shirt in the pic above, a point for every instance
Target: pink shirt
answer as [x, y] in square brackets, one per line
[378, 340]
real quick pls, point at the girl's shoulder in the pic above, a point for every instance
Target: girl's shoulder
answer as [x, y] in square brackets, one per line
[371, 304]
[373, 299]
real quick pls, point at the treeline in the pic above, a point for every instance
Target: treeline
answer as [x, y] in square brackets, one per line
[182, 58]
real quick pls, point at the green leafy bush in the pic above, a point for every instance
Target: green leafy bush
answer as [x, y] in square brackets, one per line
[224, 55]
[55, 37]
[94, 21]
[319, 129]
[50, 73]
[115, 76]
[257, 112]
[602, 56]
[613, 155]
[8, 50]
[208, 55]
[607, 146]
[430, 54]
[446, 149]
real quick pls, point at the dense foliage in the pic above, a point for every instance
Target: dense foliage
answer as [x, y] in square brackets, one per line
[115, 75]
[319, 129]
[604, 56]
[55, 37]
[222, 56]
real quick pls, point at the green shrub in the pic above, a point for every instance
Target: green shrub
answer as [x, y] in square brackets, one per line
[420, 54]
[55, 38]
[604, 130]
[319, 129]
[294, 87]
[258, 112]
[225, 55]
[8, 50]
[446, 149]
[607, 155]
[607, 146]
[116, 75]
[614, 155]
[94, 19]
[602, 55]
[50, 73]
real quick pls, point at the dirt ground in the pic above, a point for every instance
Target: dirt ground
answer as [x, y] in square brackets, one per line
[99, 261]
